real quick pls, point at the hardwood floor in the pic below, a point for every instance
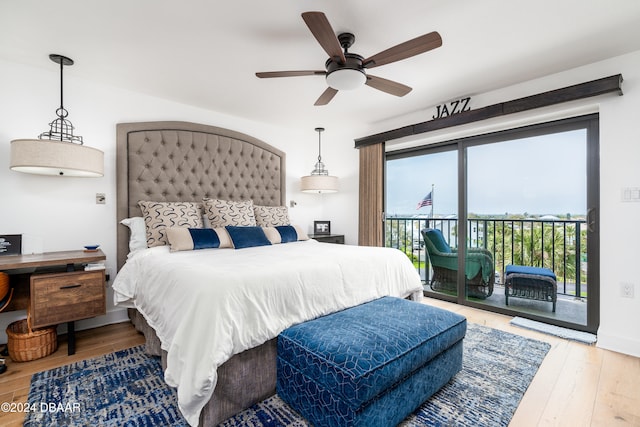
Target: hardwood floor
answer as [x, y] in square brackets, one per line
[576, 385]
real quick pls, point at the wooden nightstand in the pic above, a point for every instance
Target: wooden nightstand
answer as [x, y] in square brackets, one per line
[56, 289]
[328, 238]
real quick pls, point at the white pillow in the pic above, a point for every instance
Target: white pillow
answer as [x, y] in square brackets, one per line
[137, 233]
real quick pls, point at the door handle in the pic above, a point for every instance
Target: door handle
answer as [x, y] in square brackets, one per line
[591, 220]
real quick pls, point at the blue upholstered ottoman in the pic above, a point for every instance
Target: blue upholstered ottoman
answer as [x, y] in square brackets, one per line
[370, 365]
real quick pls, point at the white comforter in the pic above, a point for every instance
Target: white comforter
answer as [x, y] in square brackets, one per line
[208, 305]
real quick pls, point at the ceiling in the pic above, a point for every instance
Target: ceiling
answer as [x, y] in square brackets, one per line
[205, 52]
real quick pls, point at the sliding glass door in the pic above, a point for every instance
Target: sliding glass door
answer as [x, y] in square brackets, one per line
[506, 222]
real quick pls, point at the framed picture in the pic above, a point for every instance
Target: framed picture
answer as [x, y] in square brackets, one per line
[10, 244]
[321, 227]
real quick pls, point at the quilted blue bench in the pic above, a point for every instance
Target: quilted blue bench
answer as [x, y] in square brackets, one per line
[370, 365]
[534, 283]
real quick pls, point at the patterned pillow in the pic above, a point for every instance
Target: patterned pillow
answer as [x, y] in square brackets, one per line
[271, 216]
[189, 239]
[226, 212]
[159, 215]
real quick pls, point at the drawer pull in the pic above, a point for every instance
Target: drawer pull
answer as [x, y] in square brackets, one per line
[71, 286]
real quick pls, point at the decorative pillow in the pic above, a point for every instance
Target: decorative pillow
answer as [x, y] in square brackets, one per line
[287, 233]
[284, 234]
[137, 233]
[160, 215]
[272, 234]
[271, 216]
[246, 237]
[188, 239]
[302, 235]
[226, 212]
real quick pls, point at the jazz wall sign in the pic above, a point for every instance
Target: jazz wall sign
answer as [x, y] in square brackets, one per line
[451, 108]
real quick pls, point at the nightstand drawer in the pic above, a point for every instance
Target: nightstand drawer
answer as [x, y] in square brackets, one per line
[66, 297]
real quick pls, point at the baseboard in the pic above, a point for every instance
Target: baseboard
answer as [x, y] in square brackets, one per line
[618, 344]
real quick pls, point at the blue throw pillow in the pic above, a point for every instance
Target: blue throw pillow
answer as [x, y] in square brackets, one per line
[204, 238]
[247, 236]
[288, 233]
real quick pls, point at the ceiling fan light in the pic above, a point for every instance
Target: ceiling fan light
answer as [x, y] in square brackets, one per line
[346, 79]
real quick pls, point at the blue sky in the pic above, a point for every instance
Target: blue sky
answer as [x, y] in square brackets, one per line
[539, 175]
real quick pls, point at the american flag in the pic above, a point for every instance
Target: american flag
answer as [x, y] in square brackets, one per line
[427, 201]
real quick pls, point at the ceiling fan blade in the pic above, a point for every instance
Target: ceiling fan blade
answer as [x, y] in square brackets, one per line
[388, 86]
[405, 50]
[326, 96]
[322, 31]
[269, 74]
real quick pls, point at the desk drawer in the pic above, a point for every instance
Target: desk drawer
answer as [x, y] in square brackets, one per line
[65, 297]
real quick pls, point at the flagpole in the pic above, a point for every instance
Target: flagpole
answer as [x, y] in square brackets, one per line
[432, 199]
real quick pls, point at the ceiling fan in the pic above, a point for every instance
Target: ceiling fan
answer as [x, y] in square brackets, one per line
[346, 70]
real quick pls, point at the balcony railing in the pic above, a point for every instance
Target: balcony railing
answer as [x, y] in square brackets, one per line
[559, 245]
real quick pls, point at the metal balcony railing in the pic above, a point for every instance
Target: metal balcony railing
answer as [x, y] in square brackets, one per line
[559, 245]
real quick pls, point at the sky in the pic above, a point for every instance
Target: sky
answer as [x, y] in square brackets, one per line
[541, 175]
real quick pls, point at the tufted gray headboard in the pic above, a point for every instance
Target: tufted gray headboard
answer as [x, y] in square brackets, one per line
[181, 161]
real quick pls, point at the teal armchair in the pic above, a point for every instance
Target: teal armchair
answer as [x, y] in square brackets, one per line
[479, 269]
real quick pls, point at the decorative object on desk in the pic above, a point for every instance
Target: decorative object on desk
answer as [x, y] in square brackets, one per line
[321, 227]
[91, 248]
[58, 151]
[95, 266]
[6, 291]
[319, 181]
[26, 344]
[10, 244]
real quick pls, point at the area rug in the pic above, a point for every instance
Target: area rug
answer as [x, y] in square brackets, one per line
[126, 388]
[558, 331]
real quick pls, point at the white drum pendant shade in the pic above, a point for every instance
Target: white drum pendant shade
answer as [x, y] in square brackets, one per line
[319, 184]
[58, 151]
[49, 157]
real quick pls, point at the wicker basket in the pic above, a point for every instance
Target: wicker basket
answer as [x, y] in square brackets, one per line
[25, 344]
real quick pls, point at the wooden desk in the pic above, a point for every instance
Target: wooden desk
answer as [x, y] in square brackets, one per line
[56, 289]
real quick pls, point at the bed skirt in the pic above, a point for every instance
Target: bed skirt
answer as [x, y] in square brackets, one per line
[245, 379]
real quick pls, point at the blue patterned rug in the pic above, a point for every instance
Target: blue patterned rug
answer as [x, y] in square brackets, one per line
[126, 388]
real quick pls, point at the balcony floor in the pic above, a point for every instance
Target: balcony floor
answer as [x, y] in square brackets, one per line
[568, 308]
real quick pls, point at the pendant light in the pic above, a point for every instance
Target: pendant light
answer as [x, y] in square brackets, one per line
[57, 152]
[319, 181]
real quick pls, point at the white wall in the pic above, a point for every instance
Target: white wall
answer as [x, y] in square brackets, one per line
[62, 213]
[619, 157]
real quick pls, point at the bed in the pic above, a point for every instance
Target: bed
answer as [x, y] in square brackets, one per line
[245, 297]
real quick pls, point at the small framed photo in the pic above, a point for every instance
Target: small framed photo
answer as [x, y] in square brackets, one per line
[10, 244]
[321, 227]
